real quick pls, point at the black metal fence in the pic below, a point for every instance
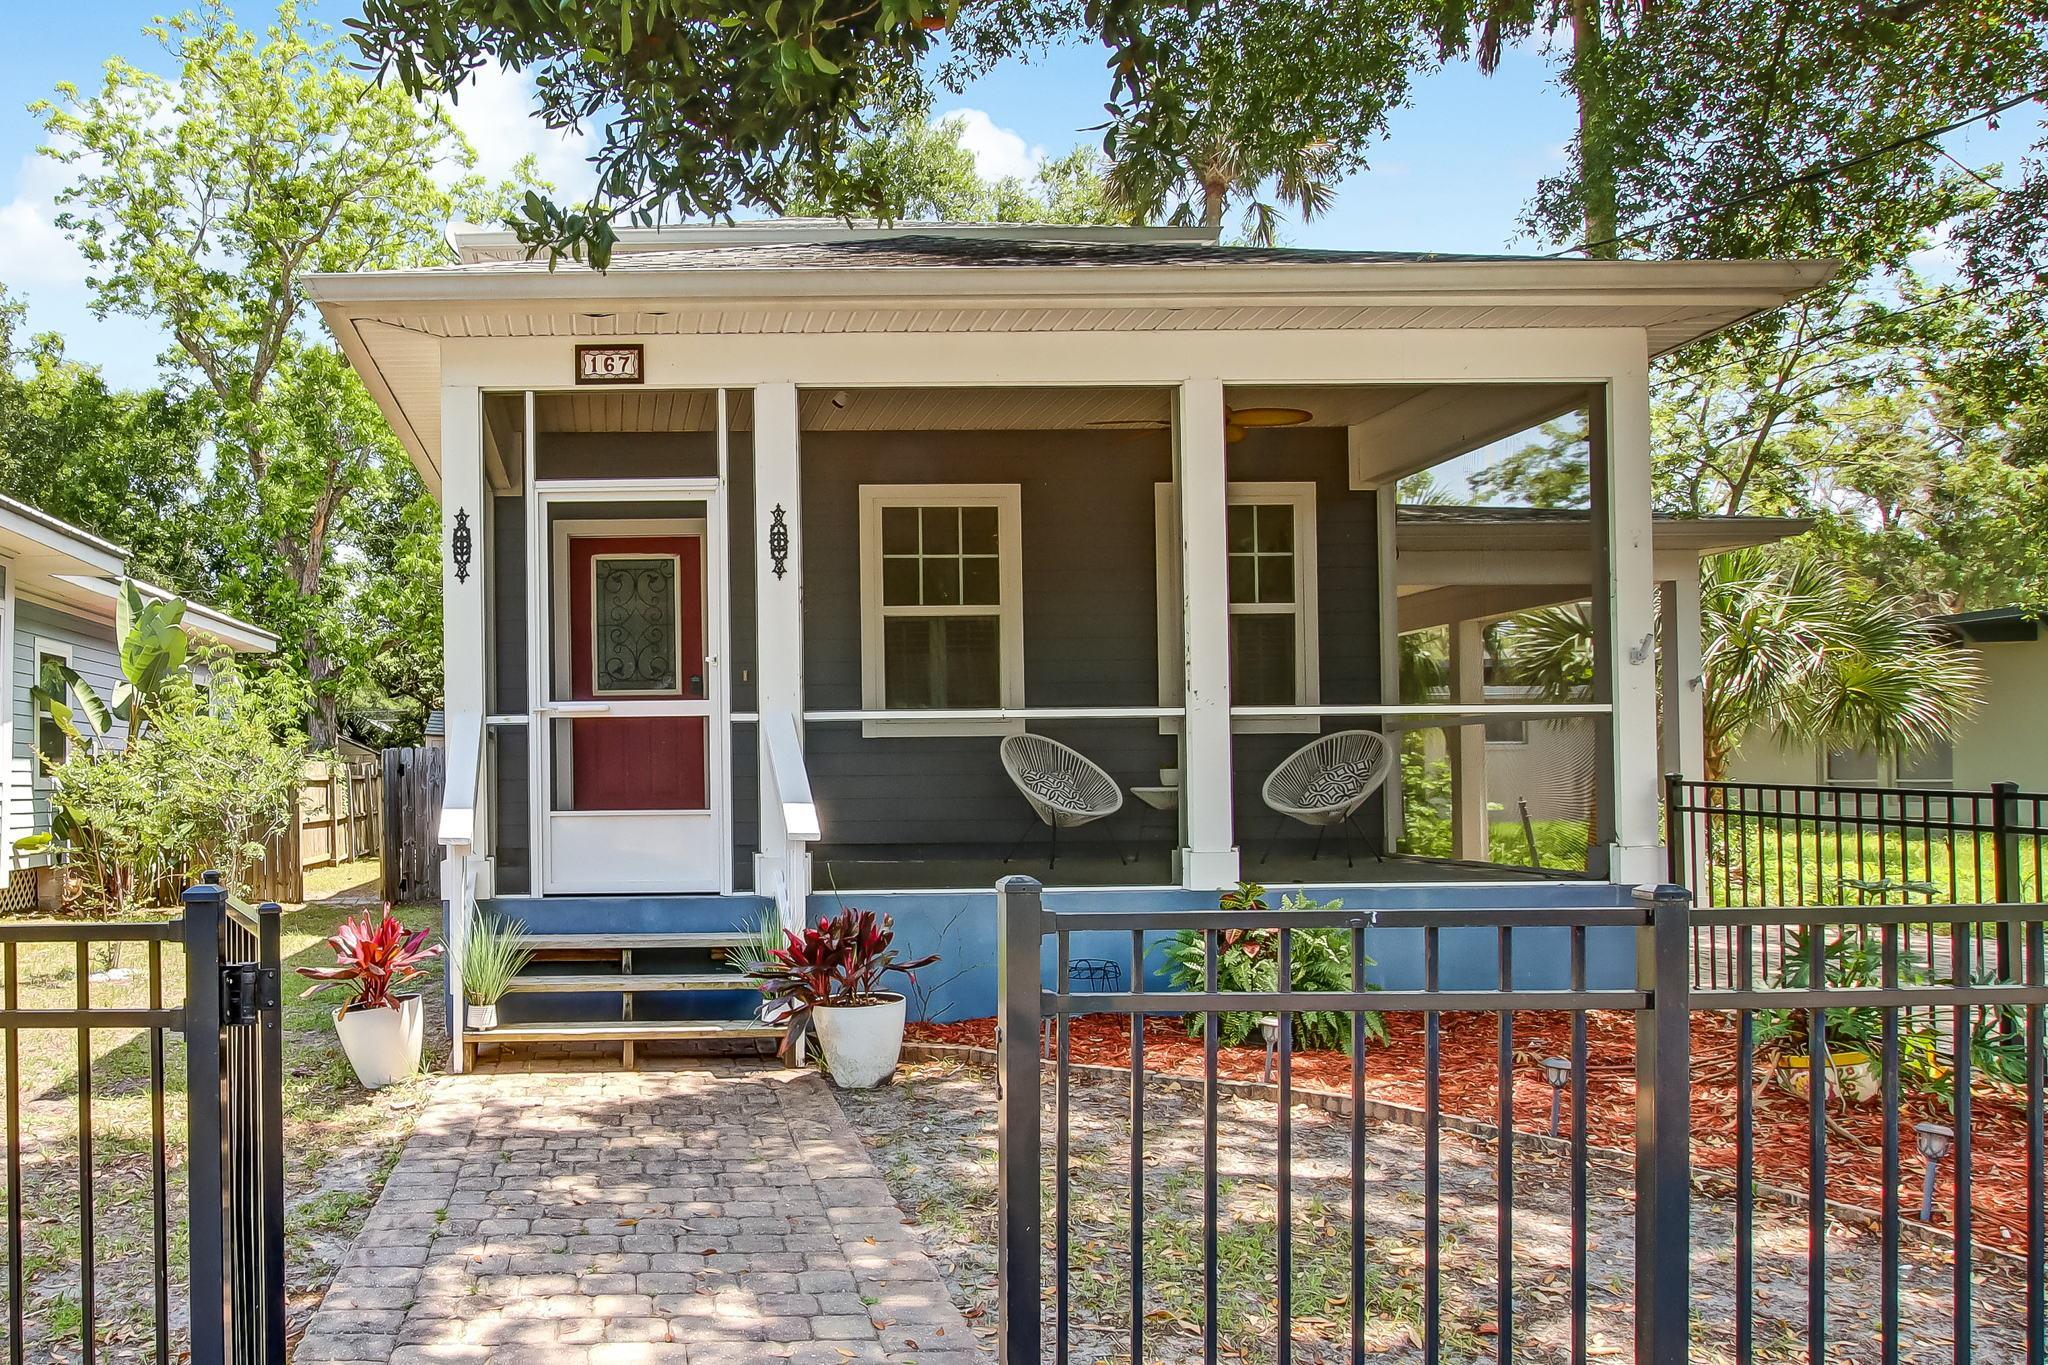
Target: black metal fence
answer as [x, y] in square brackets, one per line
[227, 1028]
[1669, 1224]
[1754, 844]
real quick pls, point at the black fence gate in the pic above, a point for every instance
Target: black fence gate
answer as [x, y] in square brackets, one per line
[227, 1028]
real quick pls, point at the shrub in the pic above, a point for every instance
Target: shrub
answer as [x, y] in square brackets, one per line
[370, 960]
[839, 962]
[1319, 959]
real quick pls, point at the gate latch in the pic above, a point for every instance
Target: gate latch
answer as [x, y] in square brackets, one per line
[246, 989]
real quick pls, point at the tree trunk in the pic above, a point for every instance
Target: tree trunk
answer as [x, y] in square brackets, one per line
[1215, 193]
[1596, 145]
[323, 721]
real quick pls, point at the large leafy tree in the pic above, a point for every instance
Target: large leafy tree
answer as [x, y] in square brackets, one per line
[200, 200]
[708, 108]
[122, 465]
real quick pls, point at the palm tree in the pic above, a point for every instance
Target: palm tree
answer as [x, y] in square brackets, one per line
[1794, 648]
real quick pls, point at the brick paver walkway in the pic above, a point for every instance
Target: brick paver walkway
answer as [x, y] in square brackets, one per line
[719, 1213]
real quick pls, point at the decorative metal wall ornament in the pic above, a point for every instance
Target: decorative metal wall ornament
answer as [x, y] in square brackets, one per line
[461, 545]
[778, 540]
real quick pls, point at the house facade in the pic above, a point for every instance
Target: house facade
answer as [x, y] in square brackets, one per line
[761, 544]
[57, 594]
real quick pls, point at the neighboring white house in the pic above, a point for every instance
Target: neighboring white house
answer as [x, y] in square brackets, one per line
[2004, 740]
[57, 593]
[758, 545]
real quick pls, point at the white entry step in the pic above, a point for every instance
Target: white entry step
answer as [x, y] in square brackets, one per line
[633, 981]
[626, 1033]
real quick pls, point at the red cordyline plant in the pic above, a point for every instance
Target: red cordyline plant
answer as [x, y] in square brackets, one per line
[839, 962]
[370, 959]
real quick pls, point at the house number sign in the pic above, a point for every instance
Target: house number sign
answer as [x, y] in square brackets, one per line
[609, 365]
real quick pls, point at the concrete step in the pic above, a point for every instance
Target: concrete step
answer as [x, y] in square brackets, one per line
[626, 982]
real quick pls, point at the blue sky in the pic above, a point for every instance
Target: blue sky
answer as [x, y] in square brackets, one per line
[1453, 174]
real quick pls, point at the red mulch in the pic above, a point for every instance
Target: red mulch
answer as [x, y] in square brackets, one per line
[1469, 1046]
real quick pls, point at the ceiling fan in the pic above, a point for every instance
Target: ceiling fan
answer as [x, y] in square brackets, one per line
[1236, 421]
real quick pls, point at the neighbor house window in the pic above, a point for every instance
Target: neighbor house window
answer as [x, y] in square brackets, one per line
[52, 744]
[1854, 767]
[941, 604]
[1507, 733]
[1933, 767]
[1270, 563]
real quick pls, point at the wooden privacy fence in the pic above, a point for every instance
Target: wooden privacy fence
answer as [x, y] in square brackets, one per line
[341, 809]
[412, 784]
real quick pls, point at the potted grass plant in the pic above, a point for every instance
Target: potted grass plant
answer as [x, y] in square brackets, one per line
[494, 952]
[381, 1030]
[829, 979]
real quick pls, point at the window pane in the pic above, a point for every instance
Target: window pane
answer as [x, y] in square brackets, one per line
[941, 530]
[51, 741]
[634, 648]
[1852, 765]
[1244, 579]
[1262, 660]
[978, 530]
[942, 661]
[973, 671]
[1276, 578]
[1243, 534]
[942, 582]
[899, 582]
[899, 530]
[981, 585]
[1935, 766]
[1507, 732]
[907, 661]
[1276, 527]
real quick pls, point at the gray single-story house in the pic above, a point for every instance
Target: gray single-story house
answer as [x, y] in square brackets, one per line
[57, 592]
[793, 564]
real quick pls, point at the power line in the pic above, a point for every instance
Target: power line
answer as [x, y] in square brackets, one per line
[1811, 176]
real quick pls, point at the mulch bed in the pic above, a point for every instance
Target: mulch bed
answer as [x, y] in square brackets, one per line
[1469, 1051]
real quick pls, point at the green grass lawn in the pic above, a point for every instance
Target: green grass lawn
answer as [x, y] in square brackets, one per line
[340, 1140]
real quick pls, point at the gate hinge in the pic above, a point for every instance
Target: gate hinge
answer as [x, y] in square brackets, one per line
[247, 989]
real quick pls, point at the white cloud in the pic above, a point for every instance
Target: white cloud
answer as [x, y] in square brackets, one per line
[998, 152]
[496, 113]
[33, 250]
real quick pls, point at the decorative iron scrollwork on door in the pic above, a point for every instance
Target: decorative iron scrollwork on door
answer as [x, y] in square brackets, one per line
[461, 546]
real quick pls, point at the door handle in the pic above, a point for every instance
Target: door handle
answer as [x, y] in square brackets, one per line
[579, 708]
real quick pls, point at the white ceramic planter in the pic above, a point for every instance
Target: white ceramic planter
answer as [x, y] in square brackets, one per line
[383, 1045]
[862, 1042]
[481, 1018]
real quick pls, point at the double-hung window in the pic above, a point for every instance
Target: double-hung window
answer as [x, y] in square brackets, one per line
[53, 745]
[1270, 566]
[941, 604]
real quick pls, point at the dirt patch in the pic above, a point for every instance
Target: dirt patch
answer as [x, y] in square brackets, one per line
[933, 1137]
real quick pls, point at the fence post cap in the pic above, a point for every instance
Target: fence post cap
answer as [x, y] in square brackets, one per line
[1664, 893]
[1018, 884]
[270, 908]
[211, 876]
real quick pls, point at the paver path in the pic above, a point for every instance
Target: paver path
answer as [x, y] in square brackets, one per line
[708, 1214]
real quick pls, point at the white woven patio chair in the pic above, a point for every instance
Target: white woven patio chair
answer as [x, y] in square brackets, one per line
[1063, 787]
[1324, 782]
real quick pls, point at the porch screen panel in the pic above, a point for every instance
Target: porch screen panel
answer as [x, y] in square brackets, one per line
[942, 630]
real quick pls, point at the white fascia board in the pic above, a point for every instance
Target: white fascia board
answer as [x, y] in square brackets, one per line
[19, 521]
[210, 622]
[1753, 284]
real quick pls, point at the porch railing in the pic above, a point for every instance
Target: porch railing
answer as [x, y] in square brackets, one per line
[1526, 972]
[232, 1212]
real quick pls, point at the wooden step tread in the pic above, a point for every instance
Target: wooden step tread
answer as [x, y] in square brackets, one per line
[633, 982]
[623, 1030]
[605, 943]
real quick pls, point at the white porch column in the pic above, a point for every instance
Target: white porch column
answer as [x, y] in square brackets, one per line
[1470, 823]
[1685, 703]
[1208, 860]
[1625, 596]
[464, 836]
[1386, 505]
[779, 867]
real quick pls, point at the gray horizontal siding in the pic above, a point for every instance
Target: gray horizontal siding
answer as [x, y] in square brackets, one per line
[95, 659]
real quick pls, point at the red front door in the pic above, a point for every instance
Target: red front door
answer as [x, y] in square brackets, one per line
[636, 634]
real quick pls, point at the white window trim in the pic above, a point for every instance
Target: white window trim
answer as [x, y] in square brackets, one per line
[41, 647]
[1308, 670]
[1008, 501]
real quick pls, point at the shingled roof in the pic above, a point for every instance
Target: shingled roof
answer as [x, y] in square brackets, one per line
[978, 252]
